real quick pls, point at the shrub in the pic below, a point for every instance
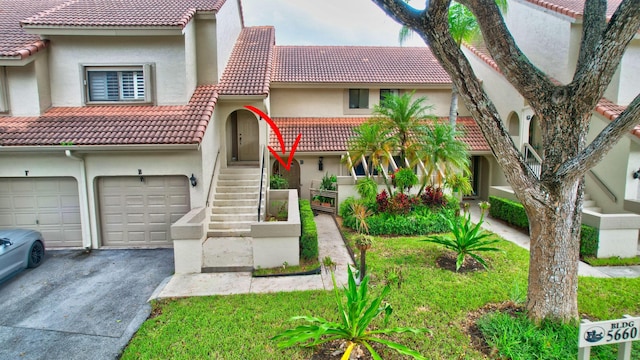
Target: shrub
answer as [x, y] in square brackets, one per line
[367, 189]
[513, 213]
[278, 182]
[405, 179]
[383, 201]
[433, 196]
[346, 207]
[309, 235]
[399, 204]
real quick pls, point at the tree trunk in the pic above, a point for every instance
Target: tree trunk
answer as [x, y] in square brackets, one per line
[453, 109]
[554, 258]
[363, 263]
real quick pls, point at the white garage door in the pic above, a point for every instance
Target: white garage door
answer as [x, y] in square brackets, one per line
[49, 205]
[140, 213]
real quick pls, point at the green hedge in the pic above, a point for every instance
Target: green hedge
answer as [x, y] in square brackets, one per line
[309, 236]
[513, 213]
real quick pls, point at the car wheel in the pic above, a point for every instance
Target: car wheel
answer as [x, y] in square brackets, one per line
[36, 254]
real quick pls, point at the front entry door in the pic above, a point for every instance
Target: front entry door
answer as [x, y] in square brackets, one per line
[247, 137]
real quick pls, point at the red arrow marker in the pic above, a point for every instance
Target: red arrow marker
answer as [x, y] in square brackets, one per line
[275, 129]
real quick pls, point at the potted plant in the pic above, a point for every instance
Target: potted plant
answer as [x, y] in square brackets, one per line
[316, 200]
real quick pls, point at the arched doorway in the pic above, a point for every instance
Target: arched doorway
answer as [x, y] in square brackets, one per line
[243, 140]
[535, 134]
[292, 175]
[514, 124]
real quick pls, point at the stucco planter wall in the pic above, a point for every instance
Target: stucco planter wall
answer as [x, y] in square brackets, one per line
[188, 234]
[277, 242]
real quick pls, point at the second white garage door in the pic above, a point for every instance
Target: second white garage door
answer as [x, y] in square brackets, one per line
[140, 213]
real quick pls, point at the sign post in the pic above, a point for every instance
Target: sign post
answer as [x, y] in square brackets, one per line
[621, 331]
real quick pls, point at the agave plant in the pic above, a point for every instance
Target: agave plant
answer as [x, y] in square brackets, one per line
[468, 239]
[353, 326]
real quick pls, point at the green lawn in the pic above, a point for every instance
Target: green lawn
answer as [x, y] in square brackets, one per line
[239, 327]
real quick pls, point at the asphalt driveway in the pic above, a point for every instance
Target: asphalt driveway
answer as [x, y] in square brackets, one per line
[79, 306]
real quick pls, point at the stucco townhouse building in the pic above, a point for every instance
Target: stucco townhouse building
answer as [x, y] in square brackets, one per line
[116, 121]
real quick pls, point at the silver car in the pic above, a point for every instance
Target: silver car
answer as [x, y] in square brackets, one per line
[20, 249]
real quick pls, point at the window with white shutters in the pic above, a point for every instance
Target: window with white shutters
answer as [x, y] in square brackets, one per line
[128, 84]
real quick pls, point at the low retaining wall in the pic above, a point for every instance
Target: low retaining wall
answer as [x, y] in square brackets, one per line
[277, 242]
[188, 234]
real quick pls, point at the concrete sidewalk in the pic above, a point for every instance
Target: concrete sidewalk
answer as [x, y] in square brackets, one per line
[330, 244]
[521, 238]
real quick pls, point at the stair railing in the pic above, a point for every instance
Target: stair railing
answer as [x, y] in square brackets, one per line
[603, 186]
[262, 164]
[532, 160]
[213, 176]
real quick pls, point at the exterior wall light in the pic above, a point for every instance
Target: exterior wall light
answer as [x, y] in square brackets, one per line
[193, 180]
[636, 174]
[320, 164]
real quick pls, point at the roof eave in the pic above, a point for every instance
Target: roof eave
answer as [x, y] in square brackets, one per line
[96, 148]
[346, 85]
[45, 30]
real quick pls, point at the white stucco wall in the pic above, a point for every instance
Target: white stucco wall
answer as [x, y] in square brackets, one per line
[167, 53]
[333, 101]
[544, 36]
[228, 27]
[629, 85]
[612, 170]
[206, 54]
[22, 90]
[190, 57]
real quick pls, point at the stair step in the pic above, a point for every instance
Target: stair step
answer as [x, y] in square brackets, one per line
[239, 182]
[593, 209]
[226, 269]
[235, 210]
[229, 233]
[234, 217]
[236, 189]
[241, 170]
[230, 225]
[235, 202]
[588, 203]
[233, 196]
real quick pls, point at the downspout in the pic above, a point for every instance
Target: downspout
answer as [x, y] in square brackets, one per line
[84, 215]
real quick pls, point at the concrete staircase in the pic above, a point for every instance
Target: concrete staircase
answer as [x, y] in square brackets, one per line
[590, 205]
[235, 202]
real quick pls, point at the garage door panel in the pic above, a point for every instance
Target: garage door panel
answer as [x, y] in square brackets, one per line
[49, 205]
[142, 212]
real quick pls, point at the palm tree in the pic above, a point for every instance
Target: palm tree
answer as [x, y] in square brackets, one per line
[464, 28]
[442, 153]
[373, 140]
[405, 116]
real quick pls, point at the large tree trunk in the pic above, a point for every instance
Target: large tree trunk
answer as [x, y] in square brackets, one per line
[554, 258]
[453, 108]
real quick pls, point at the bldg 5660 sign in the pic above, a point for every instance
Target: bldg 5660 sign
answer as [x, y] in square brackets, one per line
[609, 332]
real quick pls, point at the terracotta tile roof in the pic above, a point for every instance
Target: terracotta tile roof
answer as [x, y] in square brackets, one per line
[114, 125]
[14, 42]
[110, 13]
[604, 107]
[357, 64]
[572, 8]
[249, 68]
[332, 134]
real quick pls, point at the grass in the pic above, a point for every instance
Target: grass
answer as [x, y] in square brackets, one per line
[240, 326]
[612, 261]
[305, 265]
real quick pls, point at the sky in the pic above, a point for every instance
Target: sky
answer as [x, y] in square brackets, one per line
[325, 22]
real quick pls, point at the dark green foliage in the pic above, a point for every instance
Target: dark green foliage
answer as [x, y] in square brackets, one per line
[516, 337]
[309, 236]
[404, 179]
[509, 211]
[346, 209]
[367, 189]
[421, 221]
[513, 213]
[588, 241]
[278, 182]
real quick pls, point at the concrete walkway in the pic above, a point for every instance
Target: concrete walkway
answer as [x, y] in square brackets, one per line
[522, 239]
[330, 244]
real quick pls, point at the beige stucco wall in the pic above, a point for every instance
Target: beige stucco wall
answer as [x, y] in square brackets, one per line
[23, 92]
[228, 27]
[207, 66]
[333, 101]
[628, 85]
[543, 36]
[224, 108]
[190, 57]
[167, 54]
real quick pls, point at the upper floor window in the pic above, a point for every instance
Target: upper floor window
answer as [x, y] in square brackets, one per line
[386, 92]
[118, 84]
[358, 98]
[4, 104]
